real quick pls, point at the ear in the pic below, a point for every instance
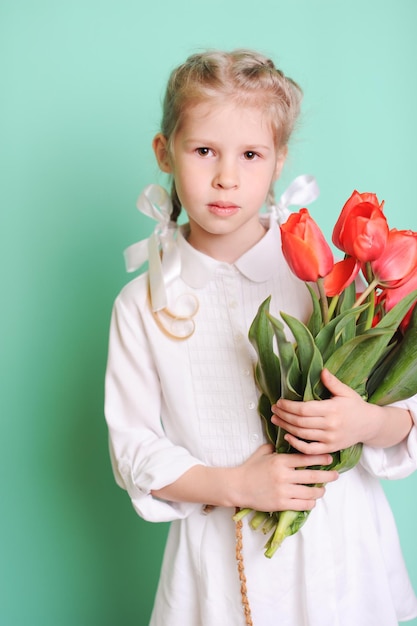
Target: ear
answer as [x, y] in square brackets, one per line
[160, 148]
[282, 155]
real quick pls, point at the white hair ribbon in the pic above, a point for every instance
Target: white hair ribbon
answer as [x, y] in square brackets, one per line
[155, 202]
[303, 190]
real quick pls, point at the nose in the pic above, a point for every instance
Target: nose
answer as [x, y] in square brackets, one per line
[226, 175]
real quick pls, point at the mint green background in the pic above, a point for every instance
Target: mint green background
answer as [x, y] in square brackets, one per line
[81, 84]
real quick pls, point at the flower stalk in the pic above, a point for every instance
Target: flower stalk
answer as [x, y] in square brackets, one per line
[323, 300]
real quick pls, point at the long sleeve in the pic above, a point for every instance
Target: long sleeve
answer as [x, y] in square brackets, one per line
[397, 461]
[143, 458]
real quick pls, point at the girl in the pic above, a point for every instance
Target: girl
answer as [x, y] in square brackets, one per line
[181, 402]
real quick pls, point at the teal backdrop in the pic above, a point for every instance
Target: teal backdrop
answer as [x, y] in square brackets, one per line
[81, 86]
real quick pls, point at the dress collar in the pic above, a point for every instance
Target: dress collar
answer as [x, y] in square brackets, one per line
[197, 268]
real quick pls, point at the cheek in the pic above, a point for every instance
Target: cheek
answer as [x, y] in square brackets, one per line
[260, 184]
[190, 180]
[187, 189]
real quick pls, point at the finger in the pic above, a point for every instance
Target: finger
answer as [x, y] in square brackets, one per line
[305, 492]
[289, 408]
[315, 477]
[302, 497]
[317, 422]
[295, 461]
[312, 446]
[301, 505]
[311, 429]
[334, 385]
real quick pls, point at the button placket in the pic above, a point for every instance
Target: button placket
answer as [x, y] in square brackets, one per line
[230, 281]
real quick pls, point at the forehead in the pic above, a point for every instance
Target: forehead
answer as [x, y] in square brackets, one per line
[221, 116]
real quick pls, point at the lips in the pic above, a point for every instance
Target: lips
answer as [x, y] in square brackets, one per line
[223, 208]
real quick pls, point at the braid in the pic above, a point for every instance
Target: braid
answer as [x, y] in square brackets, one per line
[176, 204]
[270, 198]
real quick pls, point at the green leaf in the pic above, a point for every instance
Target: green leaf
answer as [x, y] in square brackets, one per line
[264, 410]
[400, 379]
[267, 369]
[333, 333]
[309, 357]
[347, 298]
[346, 302]
[348, 458]
[353, 361]
[382, 368]
[291, 381]
[315, 323]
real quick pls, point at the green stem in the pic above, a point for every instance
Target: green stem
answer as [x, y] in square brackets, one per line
[371, 310]
[323, 301]
[258, 519]
[269, 525]
[283, 530]
[240, 514]
[368, 273]
[368, 291]
[333, 305]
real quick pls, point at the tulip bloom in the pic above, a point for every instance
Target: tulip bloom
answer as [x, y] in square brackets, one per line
[304, 247]
[361, 230]
[391, 297]
[398, 260]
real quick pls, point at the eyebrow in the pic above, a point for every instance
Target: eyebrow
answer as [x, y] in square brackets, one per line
[199, 141]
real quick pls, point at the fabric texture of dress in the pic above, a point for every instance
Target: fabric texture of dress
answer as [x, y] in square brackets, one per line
[172, 404]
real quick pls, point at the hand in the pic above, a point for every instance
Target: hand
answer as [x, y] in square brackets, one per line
[278, 482]
[323, 426]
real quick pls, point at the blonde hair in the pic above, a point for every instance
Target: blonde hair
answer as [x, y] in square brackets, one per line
[243, 76]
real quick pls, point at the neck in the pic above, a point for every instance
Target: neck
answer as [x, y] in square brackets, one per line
[225, 247]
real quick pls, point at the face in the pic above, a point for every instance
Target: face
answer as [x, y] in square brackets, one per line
[223, 160]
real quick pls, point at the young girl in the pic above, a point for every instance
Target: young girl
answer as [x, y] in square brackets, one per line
[181, 402]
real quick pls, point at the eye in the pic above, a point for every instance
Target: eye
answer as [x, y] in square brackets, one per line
[250, 155]
[203, 151]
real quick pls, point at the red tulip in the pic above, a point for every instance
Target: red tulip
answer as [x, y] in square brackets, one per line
[361, 230]
[398, 260]
[391, 297]
[343, 273]
[304, 247]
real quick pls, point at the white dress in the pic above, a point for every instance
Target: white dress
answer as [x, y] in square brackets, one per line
[172, 404]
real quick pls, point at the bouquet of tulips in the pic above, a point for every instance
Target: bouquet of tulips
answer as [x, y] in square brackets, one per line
[367, 339]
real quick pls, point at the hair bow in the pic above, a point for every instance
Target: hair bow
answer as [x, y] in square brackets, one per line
[155, 203]
[303, 190]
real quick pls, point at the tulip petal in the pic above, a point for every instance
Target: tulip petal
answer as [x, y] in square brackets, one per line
[370, 240]
[342, 275]
[299, 257]
[398, 260]
[355, 202]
